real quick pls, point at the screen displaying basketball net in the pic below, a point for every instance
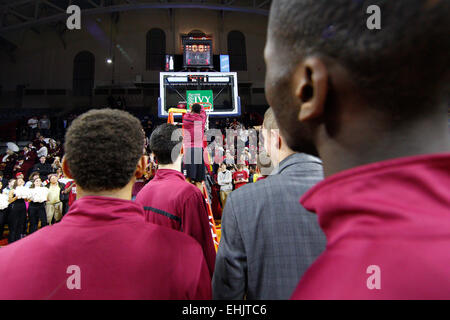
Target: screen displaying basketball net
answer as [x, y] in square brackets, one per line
[217, 92]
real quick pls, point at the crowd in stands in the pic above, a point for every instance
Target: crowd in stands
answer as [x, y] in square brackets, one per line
[39, 162]
[33, 187]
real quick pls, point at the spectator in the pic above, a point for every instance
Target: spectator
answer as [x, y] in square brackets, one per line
[8, 162]
[59, 173]
[268, 244]
[43, 150]
[19, 175]
[31, 179]
[3, 180]
[29, 157]
[225, 181]
[160, 263]
[240, 177]
[37, 140]
[18, 211]
[56, 164]
[229, 159]
[44, 125]
[374, 106]
[54, 205]
[32, 127]
[36, 209]
[4, 204]
[43, 168]
[169, 201]
[71, 189]
[18, 167]
[252, 175]
[31, 147]
[148, 127]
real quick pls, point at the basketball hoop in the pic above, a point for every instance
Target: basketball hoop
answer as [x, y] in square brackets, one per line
[205, 105]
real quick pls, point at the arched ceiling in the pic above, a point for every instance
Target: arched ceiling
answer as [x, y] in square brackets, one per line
[22, 14]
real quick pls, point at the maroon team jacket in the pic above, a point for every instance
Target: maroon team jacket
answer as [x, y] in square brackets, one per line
[170, 201]
[103, 249]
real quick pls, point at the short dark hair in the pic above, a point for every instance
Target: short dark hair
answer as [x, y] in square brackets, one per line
[103, 148]
[164, 143]
[269, 120]
[196, 108]
[402, 68]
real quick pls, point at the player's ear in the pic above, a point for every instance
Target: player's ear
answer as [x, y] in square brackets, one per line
[141, 167]
[275, 138]
[311, 88]
[66, 169]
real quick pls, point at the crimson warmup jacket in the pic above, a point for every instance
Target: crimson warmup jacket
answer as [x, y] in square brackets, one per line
[194, 128]
[103, 249]
[170, 201]
[388, 232]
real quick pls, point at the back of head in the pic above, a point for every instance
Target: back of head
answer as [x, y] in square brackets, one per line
[402, 68]
[165, 143]
[103, 148]
[270, 123]
[196, 108]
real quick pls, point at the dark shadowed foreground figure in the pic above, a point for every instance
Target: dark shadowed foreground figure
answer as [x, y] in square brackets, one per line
[103, 248]
[374, 104]
[268, 238]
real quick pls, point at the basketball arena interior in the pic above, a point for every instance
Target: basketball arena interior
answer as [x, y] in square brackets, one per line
[249, 150]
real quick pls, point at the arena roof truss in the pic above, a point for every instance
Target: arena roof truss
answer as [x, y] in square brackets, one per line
[30, 14]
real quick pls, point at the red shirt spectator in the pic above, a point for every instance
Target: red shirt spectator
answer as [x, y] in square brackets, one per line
[240, 178]
[72, 192]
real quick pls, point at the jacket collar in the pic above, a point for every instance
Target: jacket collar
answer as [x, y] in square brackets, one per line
[295, 159]
[163, 174]
[398, 197]
[95, 209]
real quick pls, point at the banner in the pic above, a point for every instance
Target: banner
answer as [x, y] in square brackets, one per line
[202, 97]
[224, 63]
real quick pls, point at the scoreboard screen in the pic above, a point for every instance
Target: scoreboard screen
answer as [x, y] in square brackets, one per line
[197, 52]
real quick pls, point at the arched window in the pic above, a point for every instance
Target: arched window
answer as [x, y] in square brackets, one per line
[237, 51]
[83, 74]
[156, 49]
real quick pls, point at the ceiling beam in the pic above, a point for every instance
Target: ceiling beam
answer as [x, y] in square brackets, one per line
[54, 6]
[134, 7]
[92, 3]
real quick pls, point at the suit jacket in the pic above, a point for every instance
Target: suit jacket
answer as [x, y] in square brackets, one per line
[268, 239]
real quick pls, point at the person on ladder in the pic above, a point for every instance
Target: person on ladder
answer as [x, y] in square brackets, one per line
[193, 135]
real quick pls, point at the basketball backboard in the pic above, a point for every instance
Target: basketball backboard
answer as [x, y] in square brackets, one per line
[216, 91]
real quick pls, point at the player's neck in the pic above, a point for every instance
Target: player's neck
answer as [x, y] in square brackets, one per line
[428, 135]
[173, 166]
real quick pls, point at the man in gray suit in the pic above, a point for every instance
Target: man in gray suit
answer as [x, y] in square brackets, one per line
[268, 239]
